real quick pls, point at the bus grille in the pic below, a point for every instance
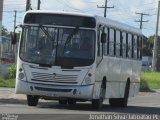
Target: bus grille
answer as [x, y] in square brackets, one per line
[51, 78]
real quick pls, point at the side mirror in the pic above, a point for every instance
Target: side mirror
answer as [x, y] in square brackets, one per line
[103, 37]
[13, 38]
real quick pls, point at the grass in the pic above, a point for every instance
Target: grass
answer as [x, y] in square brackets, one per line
[150, 80]
[9, 83]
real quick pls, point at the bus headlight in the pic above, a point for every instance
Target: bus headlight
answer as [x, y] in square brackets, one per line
[21, 76]
[88, 80]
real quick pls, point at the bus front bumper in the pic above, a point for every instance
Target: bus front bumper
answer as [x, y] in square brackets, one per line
[55, 91]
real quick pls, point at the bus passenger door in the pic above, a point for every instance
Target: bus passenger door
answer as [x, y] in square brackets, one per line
[99, 48]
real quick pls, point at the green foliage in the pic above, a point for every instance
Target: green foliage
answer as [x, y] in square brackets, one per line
[151, 39]
[10, 83]
[147, 46]
[150, 80]
[12, 71]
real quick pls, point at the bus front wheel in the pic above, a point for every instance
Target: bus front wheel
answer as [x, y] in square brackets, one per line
[62, 102]
[98, 103]
[71, 102]
[32, 100]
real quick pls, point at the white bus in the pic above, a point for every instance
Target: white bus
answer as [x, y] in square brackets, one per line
[73, 57]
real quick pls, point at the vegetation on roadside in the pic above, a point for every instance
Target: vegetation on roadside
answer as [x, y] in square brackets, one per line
[149, 81]
[12, 71]
[9, 80]
[10, 83]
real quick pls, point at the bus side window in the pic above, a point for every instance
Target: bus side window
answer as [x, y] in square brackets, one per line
[118, 37]
[111, 42]
[106, 44]
[129, 45]
[99, 47]
[124, 44]
[135, 46]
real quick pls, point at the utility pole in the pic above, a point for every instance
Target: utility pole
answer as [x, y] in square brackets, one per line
[39, 2]
[28, 5]
[105, 8]
[15, 20]
[141, 20]
[155, 53]
[14, 35]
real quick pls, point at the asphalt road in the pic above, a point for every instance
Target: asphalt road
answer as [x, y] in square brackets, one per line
[147, 104]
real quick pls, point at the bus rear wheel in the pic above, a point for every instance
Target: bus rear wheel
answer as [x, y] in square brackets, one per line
[121, 102]
[32, 100]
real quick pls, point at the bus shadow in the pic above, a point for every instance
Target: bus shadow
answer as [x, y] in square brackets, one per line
[85, 107]
[105, 109]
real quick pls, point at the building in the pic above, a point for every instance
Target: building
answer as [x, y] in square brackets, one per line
[1, 13]
[146, 63]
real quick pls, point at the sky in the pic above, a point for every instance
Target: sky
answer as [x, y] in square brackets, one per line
[123, 11]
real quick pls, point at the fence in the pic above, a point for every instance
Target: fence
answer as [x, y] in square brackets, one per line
[7, 51]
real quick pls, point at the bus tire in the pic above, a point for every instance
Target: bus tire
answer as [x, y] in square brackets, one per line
[71, 102]
[62, 102]
[98, 103]
[32, 100]
[121, 102]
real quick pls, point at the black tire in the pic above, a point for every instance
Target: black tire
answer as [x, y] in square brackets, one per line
[32, 100]
[98, 103]
[71, 102]
[121, 102]
[62, 102]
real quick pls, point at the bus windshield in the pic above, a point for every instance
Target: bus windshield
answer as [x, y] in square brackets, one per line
[57, 46]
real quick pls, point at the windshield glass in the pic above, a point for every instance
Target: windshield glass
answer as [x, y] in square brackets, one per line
[57, 46]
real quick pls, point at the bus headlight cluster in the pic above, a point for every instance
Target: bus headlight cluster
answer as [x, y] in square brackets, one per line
[88, 79]
[21, 74]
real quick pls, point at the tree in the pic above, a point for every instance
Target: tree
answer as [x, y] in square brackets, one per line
[148, 44]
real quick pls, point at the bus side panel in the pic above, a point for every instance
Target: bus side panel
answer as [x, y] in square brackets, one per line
[109, 68]
[136, 70]
[126, 72]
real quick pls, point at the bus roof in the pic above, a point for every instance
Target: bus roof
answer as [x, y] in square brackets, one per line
[99, 20]
[60, 12]
[120, 26]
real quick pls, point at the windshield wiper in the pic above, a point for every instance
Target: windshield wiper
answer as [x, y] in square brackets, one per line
[71, 35]
[46, 33]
